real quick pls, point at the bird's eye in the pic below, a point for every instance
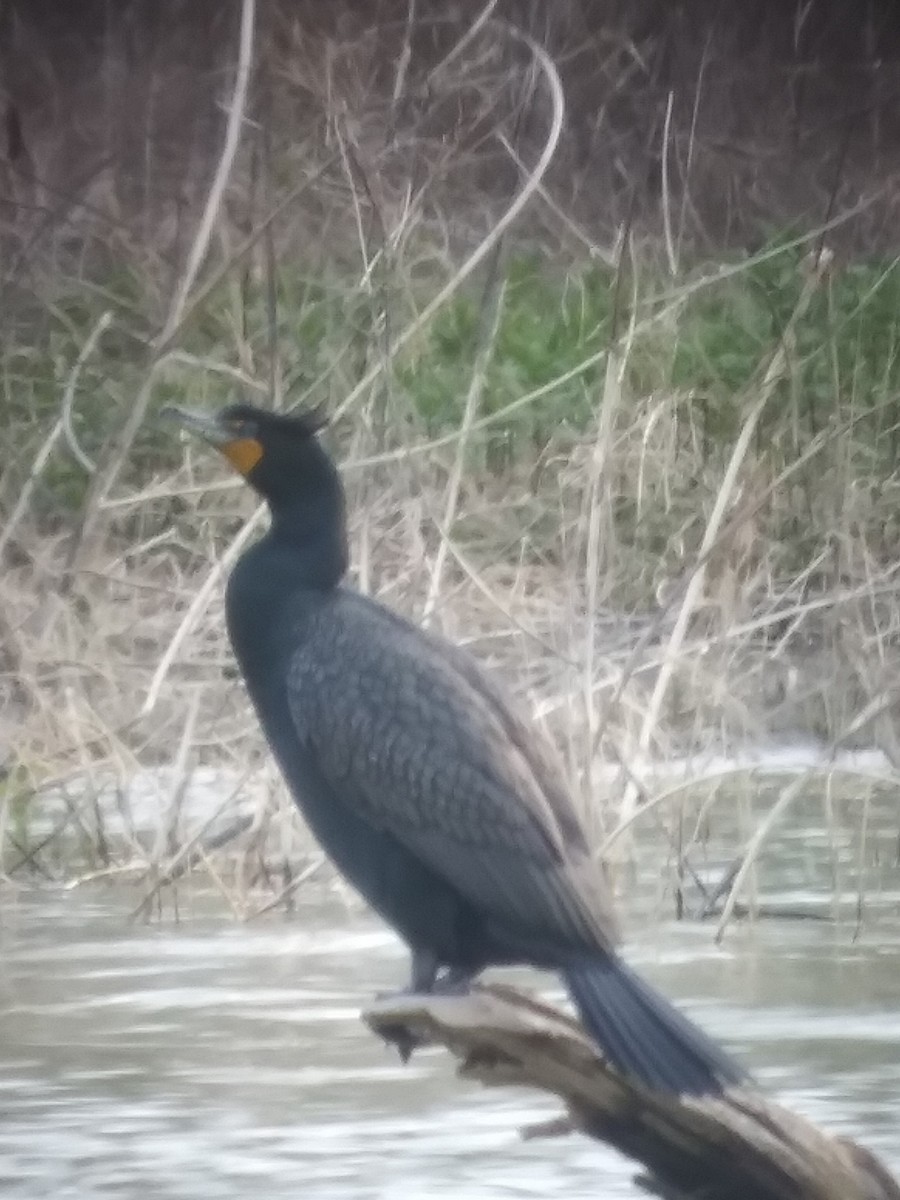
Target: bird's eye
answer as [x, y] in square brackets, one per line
[240, 427]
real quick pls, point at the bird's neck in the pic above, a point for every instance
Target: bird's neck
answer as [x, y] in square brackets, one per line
[291, 570]
[308, 537]
[284, 576]
[308, 534]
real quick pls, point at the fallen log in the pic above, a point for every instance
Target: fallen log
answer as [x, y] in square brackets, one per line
[737, 1146]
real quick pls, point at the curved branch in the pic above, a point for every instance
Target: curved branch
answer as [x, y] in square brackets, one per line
[557, 111]
[739, 1144]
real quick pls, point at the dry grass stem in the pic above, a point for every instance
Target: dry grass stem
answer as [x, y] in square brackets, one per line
[646, 504]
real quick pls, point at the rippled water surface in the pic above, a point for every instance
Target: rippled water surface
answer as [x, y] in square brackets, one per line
[206, 1059]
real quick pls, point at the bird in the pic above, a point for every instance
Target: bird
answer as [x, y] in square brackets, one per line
[434, 797]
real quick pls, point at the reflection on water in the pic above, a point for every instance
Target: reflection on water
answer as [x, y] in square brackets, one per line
[206, 1059]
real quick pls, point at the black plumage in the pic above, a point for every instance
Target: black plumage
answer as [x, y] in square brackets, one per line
[430, 794]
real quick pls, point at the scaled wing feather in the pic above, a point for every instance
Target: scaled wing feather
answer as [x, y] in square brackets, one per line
[436, 764]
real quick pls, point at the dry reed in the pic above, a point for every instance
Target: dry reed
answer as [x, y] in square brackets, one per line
[624, 656]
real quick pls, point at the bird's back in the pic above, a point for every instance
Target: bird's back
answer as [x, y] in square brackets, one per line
[409, 731]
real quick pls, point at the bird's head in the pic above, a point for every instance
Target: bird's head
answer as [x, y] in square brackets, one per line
[279, 455]
[282, 459]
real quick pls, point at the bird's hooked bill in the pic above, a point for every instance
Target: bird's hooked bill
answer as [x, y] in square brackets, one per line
[217, 430]
[205, 425]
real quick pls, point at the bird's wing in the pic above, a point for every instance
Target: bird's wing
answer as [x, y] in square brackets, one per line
[535, 749]
[403, 735]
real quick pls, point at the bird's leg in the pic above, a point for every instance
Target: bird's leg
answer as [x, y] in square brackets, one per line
[423, 980]
[424, 972]
[423, 976]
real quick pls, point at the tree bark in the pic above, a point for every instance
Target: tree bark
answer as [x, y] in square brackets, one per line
[735, 1145]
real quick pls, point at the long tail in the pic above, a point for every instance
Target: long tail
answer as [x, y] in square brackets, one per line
[642, 1034]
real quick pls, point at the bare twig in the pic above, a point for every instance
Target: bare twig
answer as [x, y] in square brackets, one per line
[551, 76]
[473, 395]
[716, 520]
[119, 448]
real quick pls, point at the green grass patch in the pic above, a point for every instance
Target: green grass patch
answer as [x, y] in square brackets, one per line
[708, 351]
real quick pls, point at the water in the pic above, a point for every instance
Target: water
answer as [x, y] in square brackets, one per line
[209, 1060]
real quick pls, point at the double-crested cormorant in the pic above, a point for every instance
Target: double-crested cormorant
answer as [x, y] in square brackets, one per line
[433, 798]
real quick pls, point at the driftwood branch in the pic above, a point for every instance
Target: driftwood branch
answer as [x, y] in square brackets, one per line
[692, 1148]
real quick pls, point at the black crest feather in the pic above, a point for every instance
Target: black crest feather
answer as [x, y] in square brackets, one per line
[303, 424]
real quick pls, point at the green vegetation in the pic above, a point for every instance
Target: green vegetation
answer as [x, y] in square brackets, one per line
[706, 350]
[810, 514]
